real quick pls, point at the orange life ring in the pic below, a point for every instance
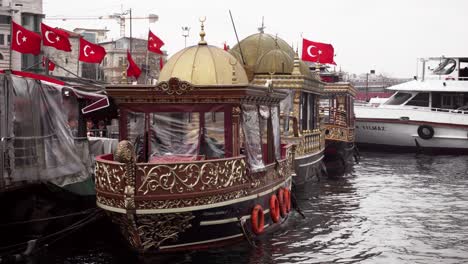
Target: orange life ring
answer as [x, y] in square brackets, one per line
[258, 220]
[274, 209]
[287, 199]
[282, 202]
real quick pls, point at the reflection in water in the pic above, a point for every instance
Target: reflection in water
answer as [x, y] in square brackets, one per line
[403, 208]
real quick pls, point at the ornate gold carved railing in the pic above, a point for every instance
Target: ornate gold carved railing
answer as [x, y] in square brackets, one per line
[339, 133]
[131, 185]
[334, 116]
[174, 177]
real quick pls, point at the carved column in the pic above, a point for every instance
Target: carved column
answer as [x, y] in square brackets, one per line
[125, 153]
[235, 131]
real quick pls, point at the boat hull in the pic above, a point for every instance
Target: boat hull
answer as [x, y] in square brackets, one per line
[308, 167]
[391, 134]
[338, 156]
[210, 226]
[192, 205]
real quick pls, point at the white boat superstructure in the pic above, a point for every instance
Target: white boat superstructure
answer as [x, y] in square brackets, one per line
[430, 112]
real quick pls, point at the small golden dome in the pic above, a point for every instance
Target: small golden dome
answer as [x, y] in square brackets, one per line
[256, 45]
[305, 69]
[204, 65]
[274, 61]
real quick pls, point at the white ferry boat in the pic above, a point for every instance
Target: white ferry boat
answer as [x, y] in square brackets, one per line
[428, 113]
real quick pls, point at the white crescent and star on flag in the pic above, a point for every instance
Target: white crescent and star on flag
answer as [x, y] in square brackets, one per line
[85, 51]
[24, 38]
[48, 37]
[309, 51]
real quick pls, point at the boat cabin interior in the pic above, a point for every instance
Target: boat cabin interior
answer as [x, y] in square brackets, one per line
[337, 108]
[184, 132]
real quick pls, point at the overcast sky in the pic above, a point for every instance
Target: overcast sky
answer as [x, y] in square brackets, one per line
[387, 36]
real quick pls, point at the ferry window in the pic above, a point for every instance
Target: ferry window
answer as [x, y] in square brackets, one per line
[398, 99]
[174, 134]
[421, 99]
[252, 140]
[305, 115]
[286, 106]
[276, 132]
[312, 111]
[463, 74]
[445, 67]
[267, 136]
[213, 135]
[136, 131]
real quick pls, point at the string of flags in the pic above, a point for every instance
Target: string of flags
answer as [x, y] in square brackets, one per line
[29, 42]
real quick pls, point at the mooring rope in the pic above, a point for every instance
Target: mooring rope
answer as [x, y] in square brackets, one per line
[48, 218]
[244, 231]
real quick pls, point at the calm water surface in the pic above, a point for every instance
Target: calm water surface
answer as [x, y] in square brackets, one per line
[391, 208]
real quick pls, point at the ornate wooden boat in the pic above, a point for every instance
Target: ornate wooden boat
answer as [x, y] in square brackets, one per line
[270, 61]
[207, 167]
[337, 107]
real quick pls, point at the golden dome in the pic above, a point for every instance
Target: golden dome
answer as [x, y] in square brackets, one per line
[256, 45]
[274, 61]
[304, 69]
[204, 65]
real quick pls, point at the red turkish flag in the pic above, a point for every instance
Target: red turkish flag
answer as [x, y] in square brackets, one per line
[132, 69]
[317, 52]
[54, 37]
[226, 47]
[25, 41]
[161, 63]
[51, 64]
[154, 43]
[90, 52]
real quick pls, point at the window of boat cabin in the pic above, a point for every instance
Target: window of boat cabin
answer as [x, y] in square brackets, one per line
[286, 107]
[325, 104]
[304, 115]
[176, 136]
[463, 71]
[213, 135]
[312, 112]
[446, 66]
[266, 130]
[252, 136]
[308, 111]
[398, 98]
[136, 133]
[420, 99]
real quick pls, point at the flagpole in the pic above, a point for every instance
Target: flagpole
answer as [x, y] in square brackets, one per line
[11, 40]
[78, 59]
[146, 68]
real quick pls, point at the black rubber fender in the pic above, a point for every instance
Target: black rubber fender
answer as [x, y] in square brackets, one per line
[425, 132]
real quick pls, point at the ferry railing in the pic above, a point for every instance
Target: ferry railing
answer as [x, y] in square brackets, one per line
[312, 141]
[453, 111]
[334, 116]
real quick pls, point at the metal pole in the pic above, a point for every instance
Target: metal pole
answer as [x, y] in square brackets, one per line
[146, 68]
[131, 47]
[238, 42]
[367, 86]
[11, 38]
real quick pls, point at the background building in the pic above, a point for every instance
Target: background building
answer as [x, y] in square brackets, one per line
[114, 66]
[370, 85]
[29, 14]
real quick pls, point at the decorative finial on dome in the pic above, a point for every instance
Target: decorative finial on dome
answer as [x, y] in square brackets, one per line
[202, 32]
[297, 66]
[262, 28]
[276, 40]
[233, 63]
